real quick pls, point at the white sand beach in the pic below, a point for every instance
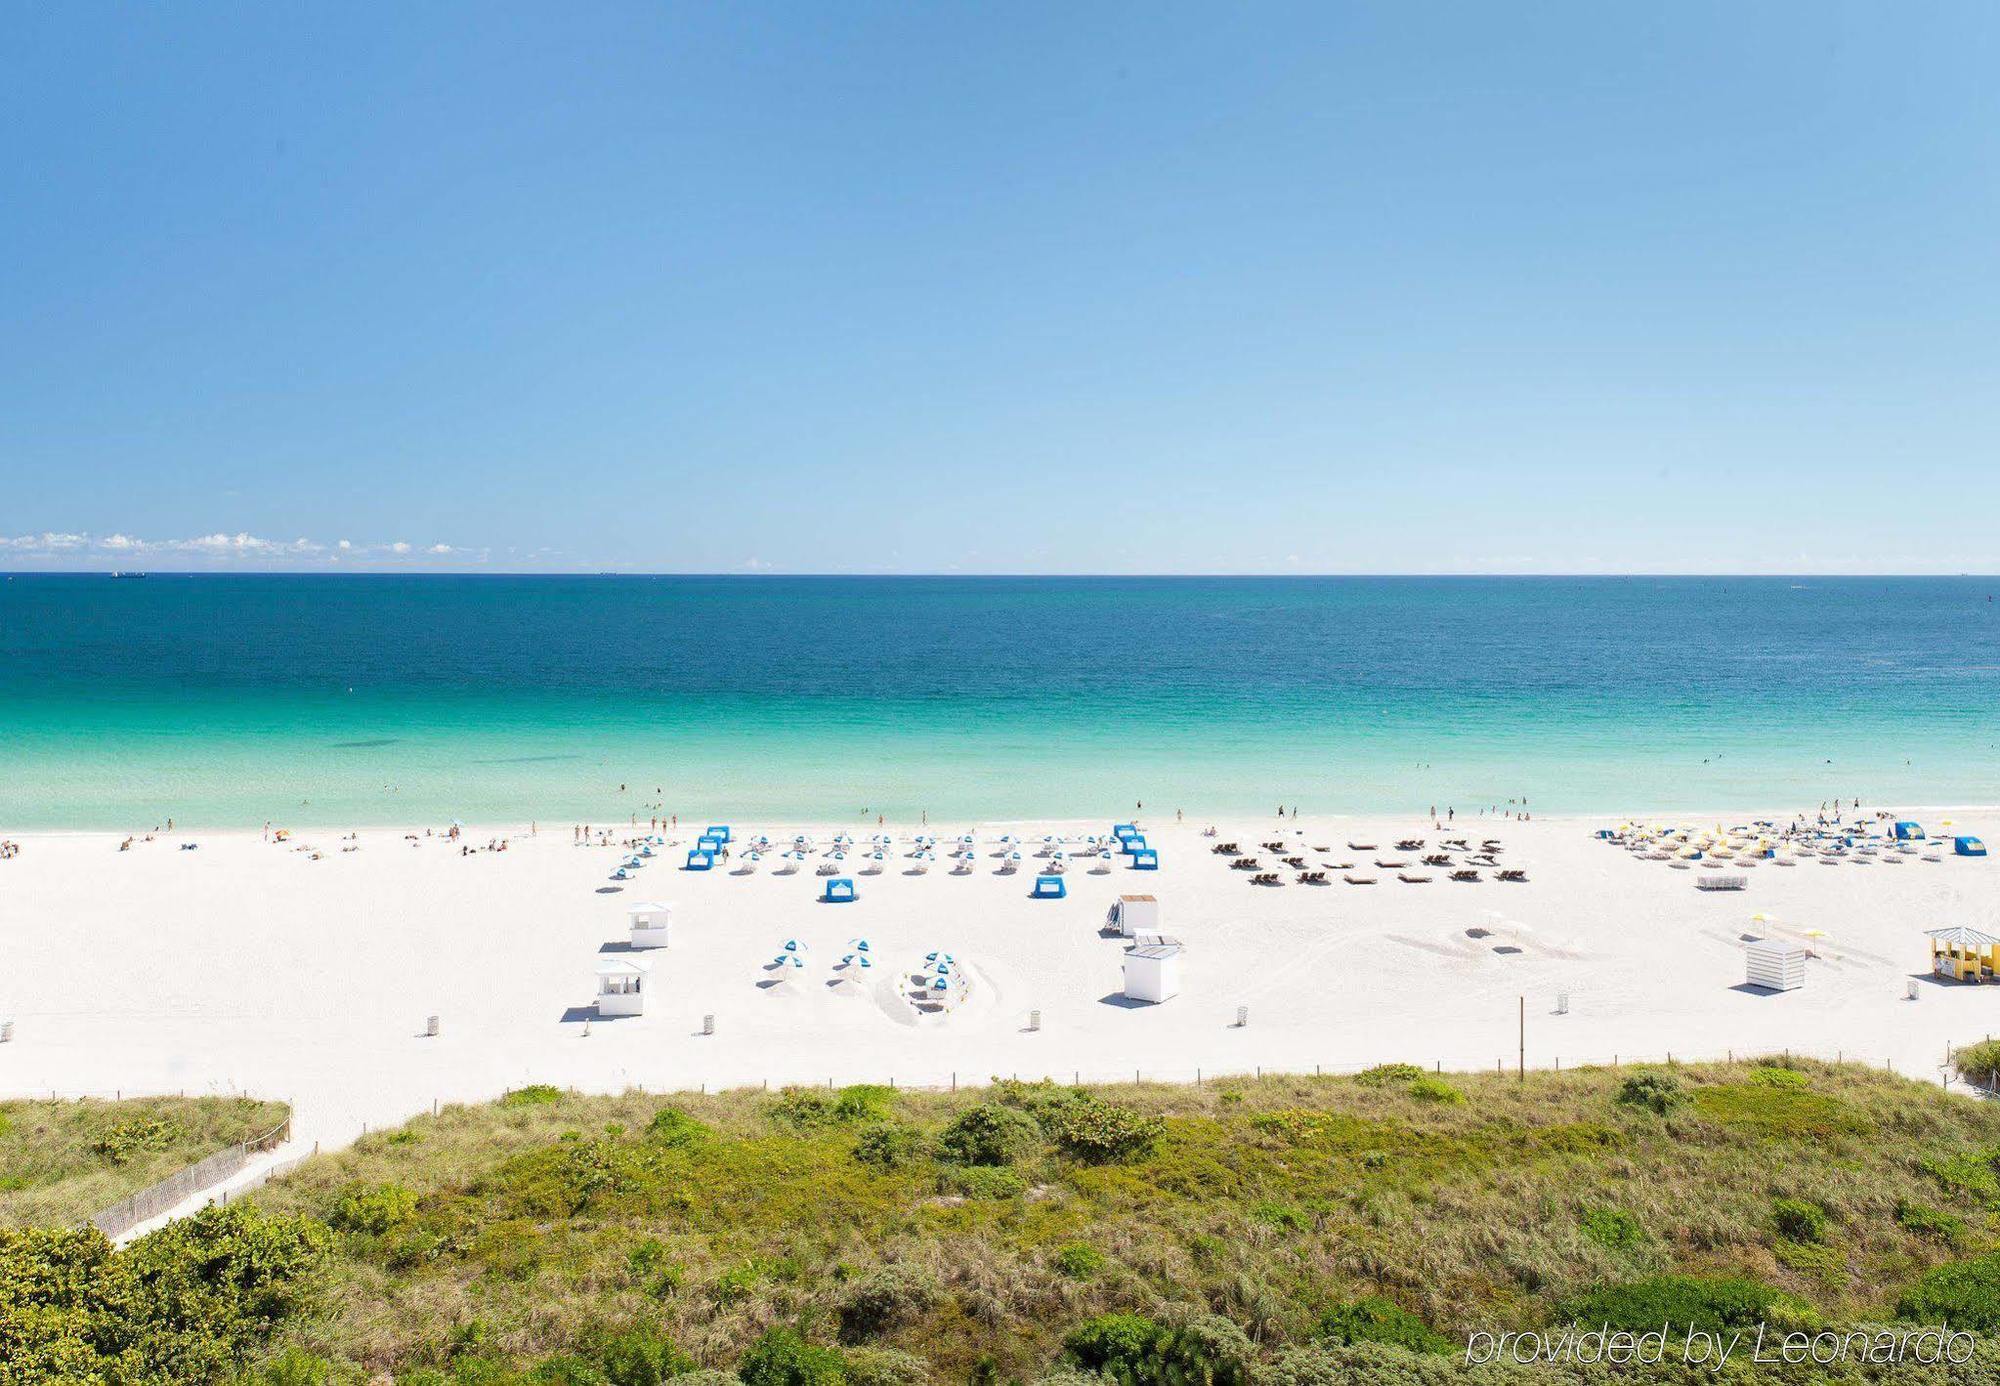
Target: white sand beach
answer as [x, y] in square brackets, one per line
[254, 966]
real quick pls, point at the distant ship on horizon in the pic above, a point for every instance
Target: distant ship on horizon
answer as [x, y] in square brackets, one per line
[123, 574]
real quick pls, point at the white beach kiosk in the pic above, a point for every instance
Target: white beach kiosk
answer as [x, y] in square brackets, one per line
[1774, 966]
[650, 922]
[1153, 972]
[621, 985]
[1132, 913]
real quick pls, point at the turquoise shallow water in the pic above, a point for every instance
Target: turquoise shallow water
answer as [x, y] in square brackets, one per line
[232, 700]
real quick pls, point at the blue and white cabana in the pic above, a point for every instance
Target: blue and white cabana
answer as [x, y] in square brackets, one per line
[1907, 831]
[1134, 843]
[1967, 847]
[700, 860]
[719, 831]
[839, 891]
[1049, 888]
[1145, 859]
[1121, 831]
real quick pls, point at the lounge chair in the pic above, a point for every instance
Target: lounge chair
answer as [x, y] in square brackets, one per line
[1437, 859]
[1514, 875]
[1414, 880]
[1359, 880]
[1467, 876]
[1360, 846]
[1391, 865]
[1410, 844]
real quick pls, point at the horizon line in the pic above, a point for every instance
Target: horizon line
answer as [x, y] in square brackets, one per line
[11, 573]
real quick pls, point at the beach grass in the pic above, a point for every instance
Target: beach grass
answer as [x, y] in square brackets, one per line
[973, 1231]
[61, 1161]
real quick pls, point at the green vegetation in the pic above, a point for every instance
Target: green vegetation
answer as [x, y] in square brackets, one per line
[1966, 1293]
[187, 1303]
[1282, 1231]
[62, 1161]
[1614, 1229]
[1376, 1320]
[1980, 1063]
[1706, 1302]
[1658, 1093]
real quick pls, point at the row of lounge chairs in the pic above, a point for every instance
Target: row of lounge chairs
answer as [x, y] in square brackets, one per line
[1487, 858]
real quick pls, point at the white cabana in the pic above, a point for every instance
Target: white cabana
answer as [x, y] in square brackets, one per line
[1774, 966]
[650, 922]
[621, 985]
[1132, 913]
[1153, 972]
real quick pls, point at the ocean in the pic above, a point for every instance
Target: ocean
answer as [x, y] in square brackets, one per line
[232, 700]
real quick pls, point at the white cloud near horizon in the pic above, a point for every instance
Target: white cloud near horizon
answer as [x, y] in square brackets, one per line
[224, 549]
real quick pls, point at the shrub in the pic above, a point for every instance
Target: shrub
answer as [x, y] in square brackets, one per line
[1281, 1215]
[374, 1211]
[1972, 1174]
[1614, 1229]
[1685, 1301]
[128, 1138]
[1203, 1350]
[641, 1356]
[1979, 1063]
[1659, 1093]
[1206, 1349]
[988, 1134]
[1929, 1222]
[1384, 1075]
[534, 1095]
[296, 1367]
[565, 1369]
[885, 1298]
[186, 1303]
[782, 1358]
[983, 1181]
[803, 1109]
[890, 1145]
[883, 1366]
[864, 1102]
[1432, 1089]
[671, 1126]
[1798, 1220]
[1964, 1293]
[1099, 1132]
[1079, 1261]
[1376, 1320]
[1772, 1076]
[700, 1376]
[1122, 1346]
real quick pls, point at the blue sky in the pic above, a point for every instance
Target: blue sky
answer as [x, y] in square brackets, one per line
[1016, 288]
